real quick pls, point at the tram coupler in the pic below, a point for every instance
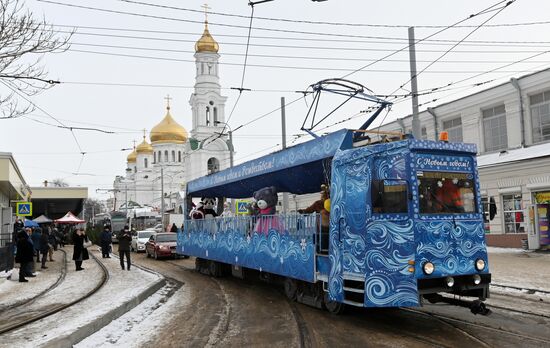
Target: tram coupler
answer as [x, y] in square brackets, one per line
[476, 306]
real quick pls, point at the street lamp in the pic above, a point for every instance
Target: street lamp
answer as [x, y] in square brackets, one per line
[230, 133]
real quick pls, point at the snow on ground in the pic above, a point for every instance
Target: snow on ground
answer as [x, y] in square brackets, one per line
[141, 324]
[497, 250]
[11, 291]
[122, 287]
[529, 270]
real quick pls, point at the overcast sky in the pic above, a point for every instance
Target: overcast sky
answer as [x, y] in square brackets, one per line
[157, 54]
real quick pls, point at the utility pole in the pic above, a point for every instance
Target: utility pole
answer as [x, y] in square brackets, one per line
[414, 88]
[283, 124]
[162, 196]
[231, 149]
[126, 194]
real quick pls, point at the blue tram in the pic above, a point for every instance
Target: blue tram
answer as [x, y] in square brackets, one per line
[405, 223]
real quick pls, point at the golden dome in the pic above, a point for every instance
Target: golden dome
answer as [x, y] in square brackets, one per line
[206, 43]
[168, 131]
[132, 157]
[144, 147]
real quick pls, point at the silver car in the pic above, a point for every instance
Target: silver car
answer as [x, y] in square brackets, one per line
[139, 240]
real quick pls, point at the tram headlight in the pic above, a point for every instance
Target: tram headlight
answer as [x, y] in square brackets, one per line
[450, 281]
[477, 279]
[480, 264]
[428, 268]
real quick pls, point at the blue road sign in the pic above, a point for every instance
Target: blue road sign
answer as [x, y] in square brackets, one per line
[241, 206]
[23, 208]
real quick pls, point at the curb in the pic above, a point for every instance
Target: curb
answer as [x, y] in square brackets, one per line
[97, 324]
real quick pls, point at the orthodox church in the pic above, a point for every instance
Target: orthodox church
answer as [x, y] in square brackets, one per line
[159, 167]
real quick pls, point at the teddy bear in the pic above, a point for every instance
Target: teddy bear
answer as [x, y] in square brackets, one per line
[266, 200]
[204, 209]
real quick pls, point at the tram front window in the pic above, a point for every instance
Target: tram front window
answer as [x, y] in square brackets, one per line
[446, 192]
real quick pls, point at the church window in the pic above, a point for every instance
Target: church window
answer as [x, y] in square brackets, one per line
[160, 156]
[213, 165]
[202, 68]
[215, 115]
[165, 155]
[135, 169]
[154, 157]
[145, 162]
[179, 156]
[209, 68]
[173, 156]
[207, 115]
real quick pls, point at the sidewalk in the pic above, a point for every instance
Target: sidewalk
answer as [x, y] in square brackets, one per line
[123, 291]
[520, 268]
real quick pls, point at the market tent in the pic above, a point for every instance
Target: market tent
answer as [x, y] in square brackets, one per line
[69, 218]
[30, 223]
[42, 219]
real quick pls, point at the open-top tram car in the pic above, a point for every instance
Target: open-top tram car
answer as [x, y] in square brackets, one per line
[405, 223]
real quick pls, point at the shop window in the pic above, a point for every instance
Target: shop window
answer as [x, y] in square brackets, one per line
[540, 116]
[513, 213]
[494, 128]
[454, 128]
[389, 197]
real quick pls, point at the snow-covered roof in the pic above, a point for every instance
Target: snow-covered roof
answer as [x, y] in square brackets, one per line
[515, 155]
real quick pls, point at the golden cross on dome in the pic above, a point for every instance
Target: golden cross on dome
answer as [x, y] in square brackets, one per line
[134, 143]
[206, 8]
[168, 101]
[144, 133]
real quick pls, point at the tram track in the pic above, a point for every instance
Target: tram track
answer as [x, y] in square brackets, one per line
[26, 302]
[50, 310]
[449, 320]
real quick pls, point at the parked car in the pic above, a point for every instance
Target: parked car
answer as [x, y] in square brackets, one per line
[161, 245]
[139, 240]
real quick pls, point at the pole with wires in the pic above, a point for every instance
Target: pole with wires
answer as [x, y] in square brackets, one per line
[283, 125]
[414, 87]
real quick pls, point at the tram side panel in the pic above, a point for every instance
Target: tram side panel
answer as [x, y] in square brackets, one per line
[285, 248]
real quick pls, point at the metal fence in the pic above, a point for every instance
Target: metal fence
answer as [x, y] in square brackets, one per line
[296, 225]
[6, 245]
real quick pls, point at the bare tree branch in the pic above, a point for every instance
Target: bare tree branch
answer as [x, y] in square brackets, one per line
[24, 40]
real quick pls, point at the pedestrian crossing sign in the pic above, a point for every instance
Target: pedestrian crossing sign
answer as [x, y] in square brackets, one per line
[23, 209]
[241, 206]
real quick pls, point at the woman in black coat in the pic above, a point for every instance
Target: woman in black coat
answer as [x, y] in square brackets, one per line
[44, 246]
[80, 253]
[25, 254]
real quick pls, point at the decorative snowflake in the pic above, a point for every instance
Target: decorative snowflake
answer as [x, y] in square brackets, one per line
[439, 183]
[248, 239]
[214, 237]
[236, 259]
[455, 181]
[303, 244]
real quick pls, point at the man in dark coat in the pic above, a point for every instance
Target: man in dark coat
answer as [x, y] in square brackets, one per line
[124, 240]
[44, 247]
[24, 254]
[106, 240]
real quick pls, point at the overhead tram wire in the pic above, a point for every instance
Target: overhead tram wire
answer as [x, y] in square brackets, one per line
[332, 23]
[392, 40]
[484, 11]
[211, 23]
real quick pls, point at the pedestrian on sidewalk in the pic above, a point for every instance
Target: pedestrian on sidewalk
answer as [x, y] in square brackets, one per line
[80, 253]
[36, 235]
[24, 254]
[44, 247]
[106, 240]
[29, 269]
[124, 240]
[52, 241]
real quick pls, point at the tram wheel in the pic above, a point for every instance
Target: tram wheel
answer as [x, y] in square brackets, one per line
[332, 307]
[214, 268]
[291, 289]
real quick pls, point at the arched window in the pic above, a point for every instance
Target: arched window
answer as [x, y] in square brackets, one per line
[145, 162]
[202, 68]
[160, 156]
[213, 165]
[179, 156]
[154, 157]
[135, 169]
[215, 115]
[207, 115]
[173, 156]
[166, 158]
